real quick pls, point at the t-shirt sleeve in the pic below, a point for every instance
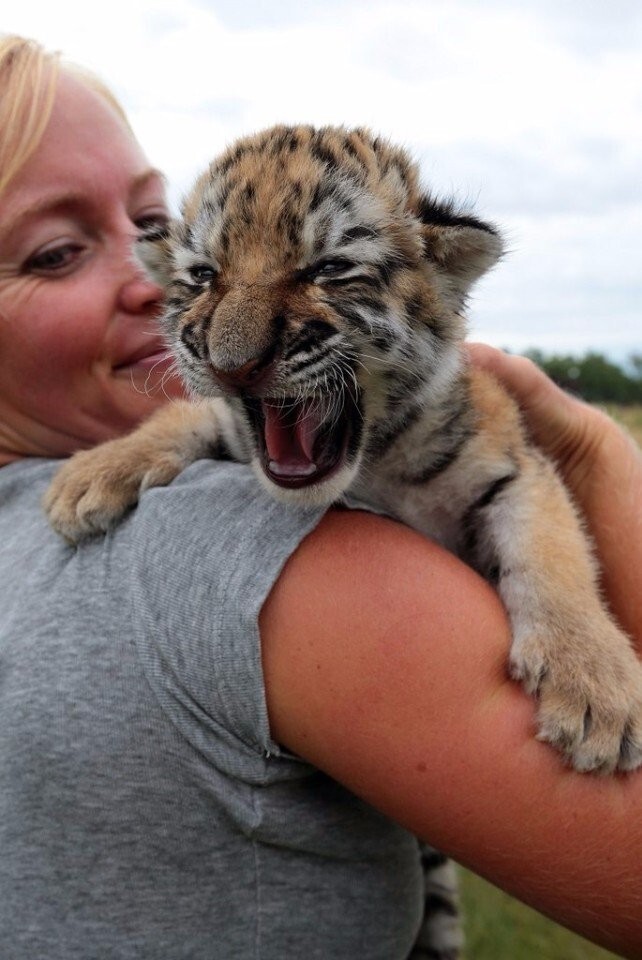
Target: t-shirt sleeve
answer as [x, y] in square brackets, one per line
[205, 553]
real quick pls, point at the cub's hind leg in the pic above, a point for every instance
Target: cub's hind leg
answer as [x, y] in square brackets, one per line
[441, 935]
[525, 534]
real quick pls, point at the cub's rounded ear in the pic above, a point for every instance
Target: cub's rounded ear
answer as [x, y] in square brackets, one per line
[153, 251]
[460, 244]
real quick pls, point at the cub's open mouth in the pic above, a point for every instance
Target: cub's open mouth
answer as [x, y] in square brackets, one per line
[303, 442]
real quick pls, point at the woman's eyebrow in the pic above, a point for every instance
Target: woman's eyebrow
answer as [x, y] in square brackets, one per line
[70, 199]
[144, 178]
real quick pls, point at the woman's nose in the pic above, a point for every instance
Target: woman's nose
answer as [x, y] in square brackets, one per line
[139, 294]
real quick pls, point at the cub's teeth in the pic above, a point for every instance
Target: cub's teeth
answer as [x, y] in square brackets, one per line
[292, 469]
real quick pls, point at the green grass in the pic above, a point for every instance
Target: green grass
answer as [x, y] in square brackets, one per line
[497, 927]
[630, 417]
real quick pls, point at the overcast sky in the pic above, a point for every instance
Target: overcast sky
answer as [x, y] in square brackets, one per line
[529, 111]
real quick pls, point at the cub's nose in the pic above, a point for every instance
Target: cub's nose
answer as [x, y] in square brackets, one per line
[250, 375]
[245, 376]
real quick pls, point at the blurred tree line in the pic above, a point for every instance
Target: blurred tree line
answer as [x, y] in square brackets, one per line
[593, 376]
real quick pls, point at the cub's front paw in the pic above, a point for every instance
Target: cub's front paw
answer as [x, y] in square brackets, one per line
[590, 695]
[95, 488]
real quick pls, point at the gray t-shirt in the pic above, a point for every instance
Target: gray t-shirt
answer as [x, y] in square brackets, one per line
[145, 811]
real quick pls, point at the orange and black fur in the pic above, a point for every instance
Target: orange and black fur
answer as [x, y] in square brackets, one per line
[315, 304]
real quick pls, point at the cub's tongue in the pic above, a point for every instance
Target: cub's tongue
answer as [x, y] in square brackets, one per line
[290, 433]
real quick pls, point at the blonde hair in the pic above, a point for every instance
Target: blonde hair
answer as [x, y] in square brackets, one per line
[28, 82]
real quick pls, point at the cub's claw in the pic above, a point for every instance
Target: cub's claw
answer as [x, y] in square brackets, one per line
[95, 488]
[590, 698]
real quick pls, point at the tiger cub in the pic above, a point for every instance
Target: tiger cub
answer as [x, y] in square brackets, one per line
[318, 293]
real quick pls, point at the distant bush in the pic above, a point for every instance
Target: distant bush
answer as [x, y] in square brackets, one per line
[593, 376]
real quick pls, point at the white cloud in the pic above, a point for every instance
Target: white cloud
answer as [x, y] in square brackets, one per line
[534, 109]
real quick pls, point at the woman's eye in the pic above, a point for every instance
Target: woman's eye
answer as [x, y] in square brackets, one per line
[153, 223]
[54, 259]
[202, 273]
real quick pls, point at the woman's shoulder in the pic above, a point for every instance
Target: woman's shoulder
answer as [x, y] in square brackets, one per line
[216, 511]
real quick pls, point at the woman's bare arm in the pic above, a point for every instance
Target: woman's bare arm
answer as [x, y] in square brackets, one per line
[385, 666]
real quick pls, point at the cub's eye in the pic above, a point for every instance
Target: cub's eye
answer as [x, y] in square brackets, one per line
[328, 268]
[202, 273]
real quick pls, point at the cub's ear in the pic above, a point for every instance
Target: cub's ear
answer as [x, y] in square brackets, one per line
[153, 251]
[458, 243]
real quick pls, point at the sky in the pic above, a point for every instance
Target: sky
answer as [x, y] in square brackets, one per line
[528, 113]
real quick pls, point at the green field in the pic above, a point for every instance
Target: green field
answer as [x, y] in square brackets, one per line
[499, 927]
[630, 417]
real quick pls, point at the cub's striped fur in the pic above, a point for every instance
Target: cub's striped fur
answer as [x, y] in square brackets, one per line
[318, 292]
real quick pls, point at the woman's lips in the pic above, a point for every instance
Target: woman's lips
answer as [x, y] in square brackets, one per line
[157, 362]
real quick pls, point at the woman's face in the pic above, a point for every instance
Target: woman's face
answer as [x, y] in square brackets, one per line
[81, 357]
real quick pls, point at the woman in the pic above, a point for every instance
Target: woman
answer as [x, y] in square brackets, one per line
[175, 781]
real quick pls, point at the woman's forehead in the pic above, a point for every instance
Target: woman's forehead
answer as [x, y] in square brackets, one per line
[86, 151]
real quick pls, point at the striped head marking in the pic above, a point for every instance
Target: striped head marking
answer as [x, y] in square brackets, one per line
[311, 282]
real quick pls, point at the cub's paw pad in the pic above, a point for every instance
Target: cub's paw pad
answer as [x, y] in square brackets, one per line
[600, 746]
[590, 708]
[95, 488]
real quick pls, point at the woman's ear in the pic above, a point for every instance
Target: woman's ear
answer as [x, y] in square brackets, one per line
[460, 244]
